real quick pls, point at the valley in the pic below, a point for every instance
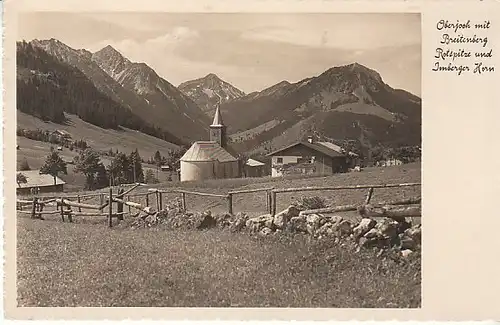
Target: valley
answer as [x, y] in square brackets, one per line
[125, 105]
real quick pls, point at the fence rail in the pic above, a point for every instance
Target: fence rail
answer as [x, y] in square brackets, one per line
[335, 188]
[394, 209]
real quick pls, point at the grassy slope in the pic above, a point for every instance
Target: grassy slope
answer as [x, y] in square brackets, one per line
[100, 139]
[87, 264]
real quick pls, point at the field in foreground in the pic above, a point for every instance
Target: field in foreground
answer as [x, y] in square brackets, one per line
[87, 264]
[90, 265]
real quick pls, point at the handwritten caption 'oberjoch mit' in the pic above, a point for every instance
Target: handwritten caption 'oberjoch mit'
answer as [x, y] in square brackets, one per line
[463, 47]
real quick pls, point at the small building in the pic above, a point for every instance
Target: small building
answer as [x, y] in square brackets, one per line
[165, 168]
[210, 159]
[254, 168]
[311, 157]
[61, 134]
[389, 162]
[40, 183]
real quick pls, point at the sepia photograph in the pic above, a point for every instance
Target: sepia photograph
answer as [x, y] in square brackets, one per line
[239, 160]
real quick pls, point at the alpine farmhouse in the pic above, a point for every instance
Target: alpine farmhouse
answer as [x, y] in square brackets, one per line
[311, 157]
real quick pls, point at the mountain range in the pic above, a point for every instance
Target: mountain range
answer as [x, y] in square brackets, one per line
[350, 102]
[346, 102]
[135, 86]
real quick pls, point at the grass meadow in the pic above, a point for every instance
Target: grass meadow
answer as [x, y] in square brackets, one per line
[87, 264]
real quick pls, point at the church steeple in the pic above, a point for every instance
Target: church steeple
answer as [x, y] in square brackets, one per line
[217, 118]
[218, 129]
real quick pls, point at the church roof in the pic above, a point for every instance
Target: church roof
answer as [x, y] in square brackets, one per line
[207, 151]
[217, 118]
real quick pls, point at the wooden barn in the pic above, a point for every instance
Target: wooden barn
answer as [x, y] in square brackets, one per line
[40, 183]
[210, 159]
[311, 157]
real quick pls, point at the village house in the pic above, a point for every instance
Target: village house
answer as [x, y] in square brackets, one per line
[311, 157]
[61, 135]
[40, 183]
[210, 159]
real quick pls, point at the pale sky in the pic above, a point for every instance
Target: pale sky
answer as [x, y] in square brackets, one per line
[250, 51]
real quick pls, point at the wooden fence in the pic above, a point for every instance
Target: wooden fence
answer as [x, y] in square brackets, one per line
[394, 209]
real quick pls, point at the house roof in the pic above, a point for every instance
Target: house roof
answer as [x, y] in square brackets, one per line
[207, 151]
[35, 179]
[327, 148]
[254, 163]
[217, 118]
[62, 132]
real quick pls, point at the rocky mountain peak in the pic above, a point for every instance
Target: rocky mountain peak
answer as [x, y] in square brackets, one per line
[209, 90]
[347, 78]
[109, 52]
[212, 76]
[109, 56]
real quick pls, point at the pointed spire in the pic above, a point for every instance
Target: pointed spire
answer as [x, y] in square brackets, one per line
[217, 118]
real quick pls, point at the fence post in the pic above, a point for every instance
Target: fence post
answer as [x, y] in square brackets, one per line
[273, 203]
[230, 203]
[161, 201]
[183, 201]
[369, 195]
[120, 205]
[78, 198]
[39, 215]
[33, 208]
[70, 215]
[110, 205]
[268, 201]
[62, 209]
[147, 199]
[157, 200]
[129, 208]
[101, 198]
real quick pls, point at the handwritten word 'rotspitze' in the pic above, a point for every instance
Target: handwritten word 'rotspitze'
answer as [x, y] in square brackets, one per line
[447, 39]
[446, 54]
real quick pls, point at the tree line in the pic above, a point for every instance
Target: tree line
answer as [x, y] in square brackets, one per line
[50, 137]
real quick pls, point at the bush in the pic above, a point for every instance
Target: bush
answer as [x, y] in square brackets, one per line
[150, 177]
[24, 165]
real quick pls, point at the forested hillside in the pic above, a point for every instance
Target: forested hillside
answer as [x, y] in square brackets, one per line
[46, 88]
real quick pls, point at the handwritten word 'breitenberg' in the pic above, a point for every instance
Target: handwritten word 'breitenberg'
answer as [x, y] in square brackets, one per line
[461, 39]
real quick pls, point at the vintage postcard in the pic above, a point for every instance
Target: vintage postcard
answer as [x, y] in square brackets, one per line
[286, 160]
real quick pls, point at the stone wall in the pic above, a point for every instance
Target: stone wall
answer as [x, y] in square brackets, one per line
[383, 233]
